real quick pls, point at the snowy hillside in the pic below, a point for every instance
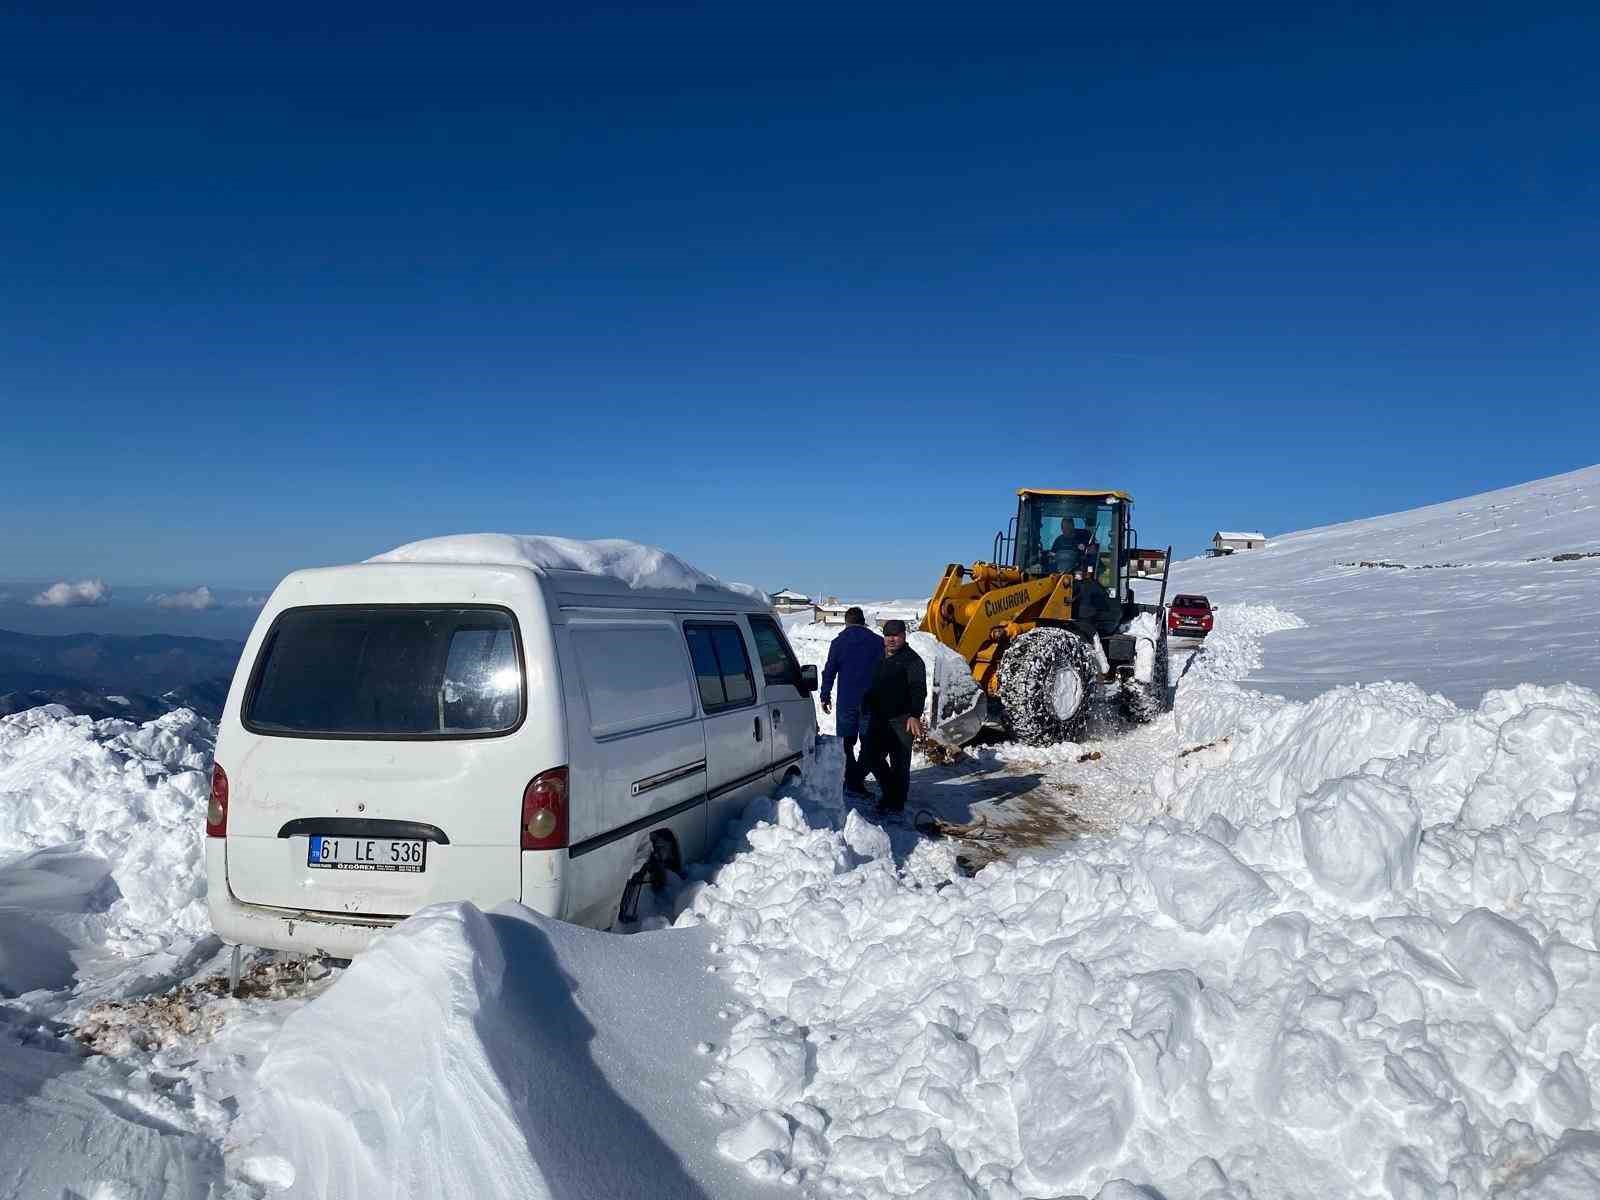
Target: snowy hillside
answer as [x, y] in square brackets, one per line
[1456, 597]
[1343, 944]
[1531, 520]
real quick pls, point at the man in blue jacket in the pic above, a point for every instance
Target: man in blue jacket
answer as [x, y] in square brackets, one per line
[851, 660]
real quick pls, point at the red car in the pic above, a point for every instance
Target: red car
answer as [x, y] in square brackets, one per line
[1189, 616]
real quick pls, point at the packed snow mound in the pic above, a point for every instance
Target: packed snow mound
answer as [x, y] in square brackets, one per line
[635, 564]
[1357, 955]
[1525, 752]
[133, 795]
[471, 1054]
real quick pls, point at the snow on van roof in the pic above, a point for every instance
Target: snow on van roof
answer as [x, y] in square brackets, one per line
[632, 563]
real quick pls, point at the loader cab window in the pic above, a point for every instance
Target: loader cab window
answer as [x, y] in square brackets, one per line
[1055, 533]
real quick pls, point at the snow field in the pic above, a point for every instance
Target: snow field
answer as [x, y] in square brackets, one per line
[1353, 953]
[1458, 598]
[1541, 518]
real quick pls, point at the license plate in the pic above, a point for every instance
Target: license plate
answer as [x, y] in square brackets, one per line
[409, 855]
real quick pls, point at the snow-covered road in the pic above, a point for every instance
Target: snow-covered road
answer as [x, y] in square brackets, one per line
[1012, 799]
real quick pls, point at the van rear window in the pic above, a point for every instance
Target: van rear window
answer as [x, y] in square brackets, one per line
[388, 671]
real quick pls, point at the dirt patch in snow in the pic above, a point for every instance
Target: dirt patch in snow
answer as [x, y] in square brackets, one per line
[190, 1011]
[1033, 821]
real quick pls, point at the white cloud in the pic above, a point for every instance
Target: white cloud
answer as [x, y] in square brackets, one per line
[195, 599]
[73, 595]
[248, 602]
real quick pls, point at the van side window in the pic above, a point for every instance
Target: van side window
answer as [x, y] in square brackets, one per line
[778, 663]
[633, 676]
[721, 665]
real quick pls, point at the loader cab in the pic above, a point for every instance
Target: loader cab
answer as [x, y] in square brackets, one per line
[1055, 529]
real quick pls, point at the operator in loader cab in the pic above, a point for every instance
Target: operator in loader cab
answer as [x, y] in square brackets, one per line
[1073, 549]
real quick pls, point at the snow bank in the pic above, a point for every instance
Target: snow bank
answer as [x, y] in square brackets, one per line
[471, 1054]
[388, 1073]
[1359, 955]
[635, 564]
[1233, 648]
[134, 795]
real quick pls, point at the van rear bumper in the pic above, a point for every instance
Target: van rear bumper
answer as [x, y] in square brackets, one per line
[346, 935]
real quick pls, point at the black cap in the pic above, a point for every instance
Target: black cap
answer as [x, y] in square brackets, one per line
[894, 626]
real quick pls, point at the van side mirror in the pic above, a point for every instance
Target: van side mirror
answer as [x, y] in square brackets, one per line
[808, 679]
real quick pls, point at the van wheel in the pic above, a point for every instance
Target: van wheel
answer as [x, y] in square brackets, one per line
[664, 857]
[791, 777]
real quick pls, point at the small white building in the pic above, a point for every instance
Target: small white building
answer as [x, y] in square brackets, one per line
[831, 613]
[788, 598]
[1226, 543]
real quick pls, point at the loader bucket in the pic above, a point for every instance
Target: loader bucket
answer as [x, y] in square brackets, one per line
[956, 729]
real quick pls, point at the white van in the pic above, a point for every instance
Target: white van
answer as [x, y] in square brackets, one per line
[403, 733]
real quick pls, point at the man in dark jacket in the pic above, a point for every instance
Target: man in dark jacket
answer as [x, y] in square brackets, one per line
[851, 659]
[893, 708]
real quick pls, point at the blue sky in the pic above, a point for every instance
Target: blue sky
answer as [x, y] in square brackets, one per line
[802, 295]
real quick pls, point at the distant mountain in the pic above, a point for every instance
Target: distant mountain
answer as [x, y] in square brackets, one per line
[102, 675]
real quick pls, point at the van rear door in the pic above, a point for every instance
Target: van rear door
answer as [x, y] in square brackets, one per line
[380, 771]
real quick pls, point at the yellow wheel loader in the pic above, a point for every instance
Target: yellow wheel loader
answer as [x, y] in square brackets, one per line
[1037, 632]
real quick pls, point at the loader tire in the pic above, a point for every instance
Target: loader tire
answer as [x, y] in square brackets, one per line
[1144, 702]
[1045, 676]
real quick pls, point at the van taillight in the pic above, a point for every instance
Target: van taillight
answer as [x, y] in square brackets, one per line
[217, 810]
[544, 811]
